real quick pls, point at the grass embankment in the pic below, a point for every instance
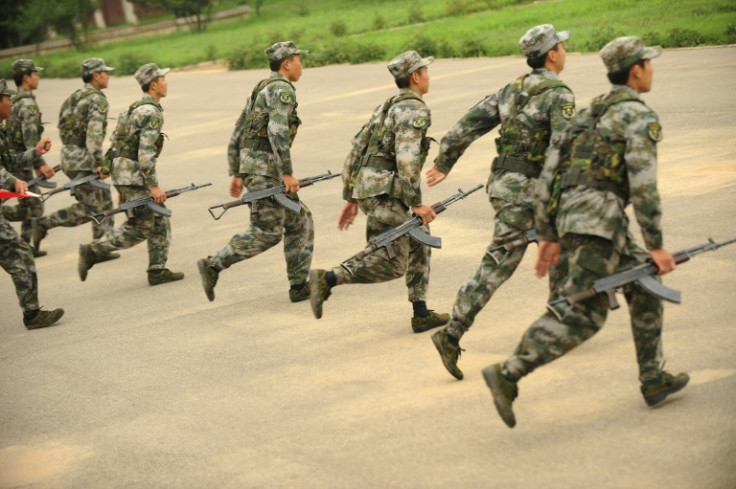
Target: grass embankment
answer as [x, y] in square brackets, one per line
[356, 31]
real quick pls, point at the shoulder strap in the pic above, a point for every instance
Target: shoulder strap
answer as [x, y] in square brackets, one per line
[20, 95]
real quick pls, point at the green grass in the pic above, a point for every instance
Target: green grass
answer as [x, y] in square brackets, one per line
[355, 31]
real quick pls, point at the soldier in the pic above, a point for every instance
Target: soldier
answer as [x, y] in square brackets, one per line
[16, 257]
[24, 129]
[137, 143]
[533, 112]
[259, 157]
[82, 127]
[383, 181]
[608, 158]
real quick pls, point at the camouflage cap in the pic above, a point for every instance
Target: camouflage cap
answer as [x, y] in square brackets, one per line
[623, 52]
[407, 63]
[5, 90]
[25, 66]
[540, 39]
[93, 65]
[280, 50]
[149, 72]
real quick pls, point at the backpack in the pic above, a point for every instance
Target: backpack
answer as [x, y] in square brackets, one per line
[72, 127]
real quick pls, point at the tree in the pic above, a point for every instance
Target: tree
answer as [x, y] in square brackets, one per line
[28, 22]
[196, 13]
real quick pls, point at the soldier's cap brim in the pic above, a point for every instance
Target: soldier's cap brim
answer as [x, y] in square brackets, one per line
[651, 52]
[563, 36]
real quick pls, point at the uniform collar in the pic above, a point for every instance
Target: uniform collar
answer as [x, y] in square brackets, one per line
[151, 99]
[625, 88]
[404, 91]
[89, 85]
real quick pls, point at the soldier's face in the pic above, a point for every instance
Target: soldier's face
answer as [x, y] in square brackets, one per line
[101, 79]
[647, 76]
[31, 80]
[422, 80]
[160, 87]
[293, 68]
[5, 107]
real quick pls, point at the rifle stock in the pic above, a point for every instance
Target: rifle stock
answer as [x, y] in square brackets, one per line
[386, 239]
[642, 275]
[529, 236]
[277, 193]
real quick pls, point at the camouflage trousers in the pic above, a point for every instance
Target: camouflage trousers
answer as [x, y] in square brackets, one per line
[269, 224]
[142, 224]
[90, 200]
[16, 258]
[590, 258]
[24, 211]
[412, 258]
[511, 221]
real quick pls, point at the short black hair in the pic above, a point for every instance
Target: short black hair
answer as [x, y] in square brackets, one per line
[622, 76]
[87, 78]
[404, 82]
[535, 62]
[18, 78]
[146, 87]
[276, 65]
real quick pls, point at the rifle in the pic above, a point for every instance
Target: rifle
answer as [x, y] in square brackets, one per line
[529, 236]
[410, 227]
[41, 180]
[93, 180]
[148, 202]
[276, 192]
[641, 275]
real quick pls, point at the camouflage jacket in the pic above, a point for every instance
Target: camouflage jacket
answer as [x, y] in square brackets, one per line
[403, 143]
[551, 110]
[7, 180]
[15, 162]
[592, 211]
[275, 107]
[24, 127]
[146, 122]
[90, 113]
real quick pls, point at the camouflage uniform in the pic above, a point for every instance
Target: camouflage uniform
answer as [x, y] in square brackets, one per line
[24, 129]
[81, 156]
[134, 172]
[607, 160]
[544, 106]
[385, 188]
[260, 153]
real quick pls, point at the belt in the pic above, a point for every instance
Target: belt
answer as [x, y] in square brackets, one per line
[575, 178]
[375, 161]
[258, 144]
[509, 163]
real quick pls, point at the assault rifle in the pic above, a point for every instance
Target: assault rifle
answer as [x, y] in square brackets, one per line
[642, 275]
[41, 180]
[148, 202]
[529, 236]
[93, 180]
[411, 227]
[277, 193]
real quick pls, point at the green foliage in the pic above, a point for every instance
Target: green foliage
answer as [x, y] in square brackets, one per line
[415, 13]
[130, 61]
[600, 37]
[338, 28]
[379, 22]
[196, 13]
[731, 34]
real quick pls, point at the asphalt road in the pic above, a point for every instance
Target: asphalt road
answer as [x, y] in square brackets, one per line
[155, 387]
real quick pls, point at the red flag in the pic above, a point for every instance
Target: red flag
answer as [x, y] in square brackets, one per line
[4, 194]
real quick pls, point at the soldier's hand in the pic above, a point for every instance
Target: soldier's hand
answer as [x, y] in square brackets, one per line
[347, 216]
[43, 147]
[434, 176]
[663, 259]
[99, 172]
[20, 186]
[548, 255]
[236, 186]
[47, 171]
[425, 212]
[159, 196]
[291, 184]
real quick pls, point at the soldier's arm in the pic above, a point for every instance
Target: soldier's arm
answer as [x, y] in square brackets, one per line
[7, 180]
[30, 122]
[479, 120]
[411, 127]
[281, 104]
[150, 122]
[96, 118]
[561, 113]
[233, 147]
[642, 135]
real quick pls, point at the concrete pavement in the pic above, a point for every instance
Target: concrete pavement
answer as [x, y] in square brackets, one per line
[155, 387]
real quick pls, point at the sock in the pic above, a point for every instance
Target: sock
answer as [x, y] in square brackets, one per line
[331, 278]
[420, 309]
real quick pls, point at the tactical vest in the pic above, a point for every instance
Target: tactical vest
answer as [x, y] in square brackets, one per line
[522, 141]
[126, 140]
[381, 150]
[596, 156]
[15, 127]
[72, 123]
[253, 125]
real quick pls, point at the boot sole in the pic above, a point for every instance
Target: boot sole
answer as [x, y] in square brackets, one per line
[210, 293]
